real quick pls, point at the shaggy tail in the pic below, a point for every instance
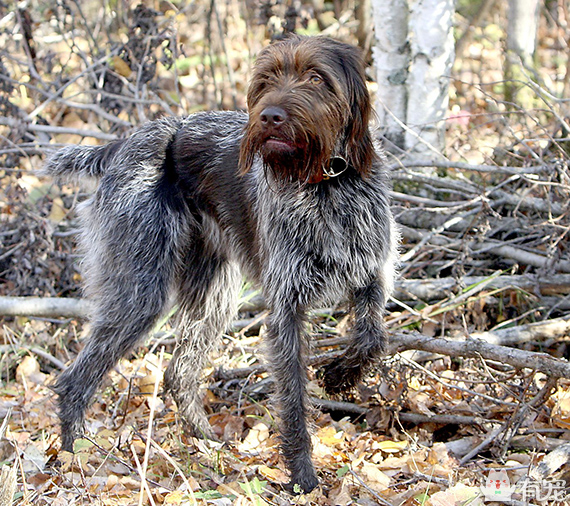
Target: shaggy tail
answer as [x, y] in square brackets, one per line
[81, 161]
[142, 154]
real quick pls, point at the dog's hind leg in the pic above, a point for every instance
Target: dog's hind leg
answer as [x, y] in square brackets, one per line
[208, 294]
[132, 260]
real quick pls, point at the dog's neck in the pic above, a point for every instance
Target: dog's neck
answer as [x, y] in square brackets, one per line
[337, 165]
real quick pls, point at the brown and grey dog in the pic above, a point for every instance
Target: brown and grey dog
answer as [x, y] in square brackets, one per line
[293, 196]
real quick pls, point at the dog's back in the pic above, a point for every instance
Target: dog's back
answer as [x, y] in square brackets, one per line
[201, 138]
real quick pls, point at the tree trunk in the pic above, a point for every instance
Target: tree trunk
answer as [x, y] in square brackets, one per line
[392, 59]
[432, 56]
[414, 55]
[522, 29]
[363, 13]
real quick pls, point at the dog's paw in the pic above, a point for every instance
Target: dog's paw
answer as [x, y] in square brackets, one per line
[302, 484]
[201, 429]
[337, 377]
[70, 430]
[194, 418]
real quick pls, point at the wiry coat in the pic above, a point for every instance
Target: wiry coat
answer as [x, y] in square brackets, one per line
[185, 206]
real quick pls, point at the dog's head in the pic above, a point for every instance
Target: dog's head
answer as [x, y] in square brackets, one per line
[308, 103]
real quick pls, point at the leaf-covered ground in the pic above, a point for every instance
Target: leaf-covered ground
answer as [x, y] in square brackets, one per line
[136, 446]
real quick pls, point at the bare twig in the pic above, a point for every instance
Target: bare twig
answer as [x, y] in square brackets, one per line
[449, 164]
[50, 358]
[101, 61]
[33, 127]
[519, 416]
[149, 433]
[482, 445]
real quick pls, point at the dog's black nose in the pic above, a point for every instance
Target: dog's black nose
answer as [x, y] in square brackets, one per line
[273, 116]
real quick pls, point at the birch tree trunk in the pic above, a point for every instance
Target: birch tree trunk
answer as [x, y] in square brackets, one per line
[414, 56]
[392, 60]
[432, 56]
[522, 27]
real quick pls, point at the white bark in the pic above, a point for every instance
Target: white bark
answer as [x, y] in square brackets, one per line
[432, 56]
[522, 27]
[391, 57]
[414, 55]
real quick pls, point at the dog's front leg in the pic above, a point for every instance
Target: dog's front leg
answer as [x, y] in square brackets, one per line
[286, 341]
[368, 340]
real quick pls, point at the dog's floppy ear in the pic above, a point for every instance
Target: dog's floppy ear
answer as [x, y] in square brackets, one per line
[246, 153]
[359, 145]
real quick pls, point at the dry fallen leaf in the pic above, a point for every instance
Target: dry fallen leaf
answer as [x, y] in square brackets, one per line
[458, 495]
[58, 211]
[28, 371]
[561, 409]
[8, 482]
[328, 435]
[176, 497]
[121, 67]
[389, 446]
[273, 474]
[341, 495]
[256, 435]
[377, 479]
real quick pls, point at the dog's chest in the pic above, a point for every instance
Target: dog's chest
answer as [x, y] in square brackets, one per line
[323, 242]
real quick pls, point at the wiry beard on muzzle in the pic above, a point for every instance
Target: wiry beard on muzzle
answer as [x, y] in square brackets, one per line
[288, 168]
[306, 158]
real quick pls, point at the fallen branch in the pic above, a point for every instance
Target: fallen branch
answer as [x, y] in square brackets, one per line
[552, 462]
[473, 348]
[44, 307]
[528, 203]
[548, 329]
[417, 418]
[433, 235]
[522, 256]
[79, 308]
[535, 442]
[344, 407]
[429, 290]
[421, 227]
